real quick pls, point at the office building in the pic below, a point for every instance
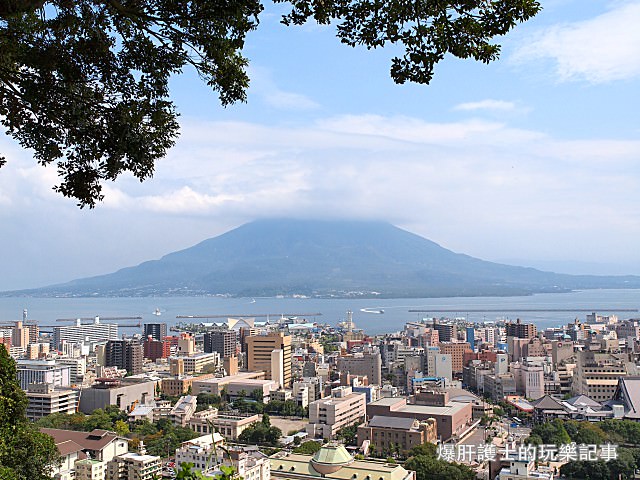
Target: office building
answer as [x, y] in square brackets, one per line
[44, 400]
[259, 348]
[457, 351]
[328, 415]
[365, 364]
[156, 330]
[155, 349]
[596, 374]
[221, 341]
[20, 335]
[124, 354]
[446, 331]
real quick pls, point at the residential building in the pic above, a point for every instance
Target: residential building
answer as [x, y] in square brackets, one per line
[500, 386]
[126, 354]
[89, 469]
[520, 330]
[155, 349]
[88, 334]
[134, 466]
[195, 363]
[98, 444]
[446, 331]
[388, 435]
[78, 368]
[158, 331]
[20, 335]
[259, 348]
[183, 410]
[45, 399]
[328, 415]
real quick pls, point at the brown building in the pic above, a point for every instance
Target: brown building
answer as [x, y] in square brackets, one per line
[457, 352]
[521, 330]
[179, 386]
[155, 349]
[394, 434]
[126, 354]
[259, 348]
[453, 418]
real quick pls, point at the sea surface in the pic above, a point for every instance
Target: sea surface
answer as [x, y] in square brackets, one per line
[396, 311]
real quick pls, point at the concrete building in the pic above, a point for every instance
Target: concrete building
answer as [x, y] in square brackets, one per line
[44, 400]
[121, 393]
[366, 364]
[88, 334]
[500, 386]
[155, 330]
[259, 348]
[222, 341]
[277, 368]
[179, 386]
[89, 469]
[124, 354]
[37, 350]
[78, 368]
[520, 330]
[134, 466]
[453, 418]
[230, 426]
[333, 462]
[215, 386]
[596, 374]
[396, 434]
[42, 371]
[446, 331]
[529, 379]
[328, 415]
[196, 363]
[20, 335]
[155, 349]
[457, 351]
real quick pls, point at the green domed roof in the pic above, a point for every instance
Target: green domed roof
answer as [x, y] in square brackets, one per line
[331, 458]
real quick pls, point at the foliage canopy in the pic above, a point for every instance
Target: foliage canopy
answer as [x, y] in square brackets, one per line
[84, 83]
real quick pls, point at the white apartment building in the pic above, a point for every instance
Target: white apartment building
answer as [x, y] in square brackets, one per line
[88, 334]
[134, 466]
[342, 409]
[42, 371]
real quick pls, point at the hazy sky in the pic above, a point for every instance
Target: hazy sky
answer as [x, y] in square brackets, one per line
[534, 159]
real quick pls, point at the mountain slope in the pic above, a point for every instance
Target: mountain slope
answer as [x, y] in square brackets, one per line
[271, 257]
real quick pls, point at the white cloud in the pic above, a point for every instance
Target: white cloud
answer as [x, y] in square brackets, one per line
[488, 104]
[603, 49]
[263, 85]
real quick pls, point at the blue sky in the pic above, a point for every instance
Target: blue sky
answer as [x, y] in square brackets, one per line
[533, 159]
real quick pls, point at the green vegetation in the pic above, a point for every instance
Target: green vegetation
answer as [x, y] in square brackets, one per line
[25, 453]
[261, 433]
[328, 341]
[158, 437]
[424, 461]
[618, 432]
[308, 448]
[348, 435]
[288, 408]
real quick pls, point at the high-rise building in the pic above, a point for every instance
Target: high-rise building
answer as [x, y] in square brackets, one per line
[221, 341]
[456, 350]
[521, 330]
[259, 348]
[157, 330]
[446, 331]
[126, 354]
[89, 333]
[20, 335]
